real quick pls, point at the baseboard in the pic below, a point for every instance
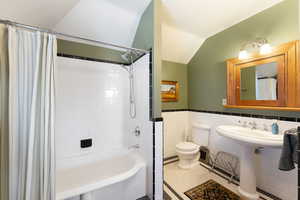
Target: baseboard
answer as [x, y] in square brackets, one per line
[170, 158]
[144, 198]
[173, 191]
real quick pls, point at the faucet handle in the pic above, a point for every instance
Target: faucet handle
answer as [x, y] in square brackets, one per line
[266, 127]
[242, 123]
[253, 124]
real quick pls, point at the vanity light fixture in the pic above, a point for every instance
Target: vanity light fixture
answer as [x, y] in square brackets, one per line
[243, 55]
[259, 43]
[265, 49]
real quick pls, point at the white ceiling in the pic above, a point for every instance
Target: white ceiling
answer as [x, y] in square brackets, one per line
[111, 21]
[177, 44]
[202, 19]
[45, 13]
[186, 24]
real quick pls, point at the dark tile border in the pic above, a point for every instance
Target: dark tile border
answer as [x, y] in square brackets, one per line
[289, 119]
[174, 110]
[150, 85]
[157, 119]
[144, 198]
[170, 162]
[170, 158]
[98, 59]
[90, 59]
[173, 191]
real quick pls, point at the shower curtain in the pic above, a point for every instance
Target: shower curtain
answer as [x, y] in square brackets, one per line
[30, 131]
[3, 114]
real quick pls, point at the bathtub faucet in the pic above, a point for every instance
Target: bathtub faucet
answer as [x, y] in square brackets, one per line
[136, 146]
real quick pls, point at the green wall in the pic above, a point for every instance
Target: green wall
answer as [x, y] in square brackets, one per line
[172, 71]
[146, 39]
[144, 35]
[207, 69]
[248, 83]
[90, 51]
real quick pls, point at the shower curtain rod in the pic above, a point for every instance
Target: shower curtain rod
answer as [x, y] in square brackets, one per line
[35, 28]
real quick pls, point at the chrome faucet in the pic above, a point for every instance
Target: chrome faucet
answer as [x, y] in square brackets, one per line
[243, 124]
[253, 125]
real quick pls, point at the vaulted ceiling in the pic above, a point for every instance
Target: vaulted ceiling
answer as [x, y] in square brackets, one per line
[46, 13]
[112, 21]
[187, 24]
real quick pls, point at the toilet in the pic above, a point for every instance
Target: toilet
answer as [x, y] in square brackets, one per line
[188, 152]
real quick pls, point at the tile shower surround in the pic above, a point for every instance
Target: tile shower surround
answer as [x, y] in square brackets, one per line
[154, 120]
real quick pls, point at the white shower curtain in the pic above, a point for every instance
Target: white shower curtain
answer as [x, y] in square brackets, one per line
[3, 114]
[32, 57]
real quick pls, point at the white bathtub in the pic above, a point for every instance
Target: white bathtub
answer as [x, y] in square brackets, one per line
[119, 177]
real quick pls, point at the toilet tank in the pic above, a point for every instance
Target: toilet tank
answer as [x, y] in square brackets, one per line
[200, 134]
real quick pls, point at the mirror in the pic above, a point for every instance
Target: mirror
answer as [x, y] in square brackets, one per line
[259, 82]
[265, 81]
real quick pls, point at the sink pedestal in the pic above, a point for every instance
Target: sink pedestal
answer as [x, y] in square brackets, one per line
[250, 139]
[247, 187]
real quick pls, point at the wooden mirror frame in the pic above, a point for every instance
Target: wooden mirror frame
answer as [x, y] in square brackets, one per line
[287, 57]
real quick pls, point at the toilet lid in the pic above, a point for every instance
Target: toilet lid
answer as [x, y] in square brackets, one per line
[187, 146]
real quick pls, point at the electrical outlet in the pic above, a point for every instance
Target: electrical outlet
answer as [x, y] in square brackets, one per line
[224, 101]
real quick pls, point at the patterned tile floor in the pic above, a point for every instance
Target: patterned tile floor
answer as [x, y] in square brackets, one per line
[181, 181]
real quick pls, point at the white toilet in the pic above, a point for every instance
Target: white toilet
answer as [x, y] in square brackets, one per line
[188, 152]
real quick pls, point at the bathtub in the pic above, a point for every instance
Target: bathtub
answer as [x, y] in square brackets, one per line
[121, 177]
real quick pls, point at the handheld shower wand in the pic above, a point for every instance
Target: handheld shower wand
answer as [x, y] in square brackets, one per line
[128, 56]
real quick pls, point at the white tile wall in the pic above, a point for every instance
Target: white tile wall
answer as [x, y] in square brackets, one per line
[93, 102]
[145, 140]
[158, 160]
[90, 99]
[175, 128]
[269, 178]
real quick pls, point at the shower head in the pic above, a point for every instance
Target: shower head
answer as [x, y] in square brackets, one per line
[125, 56]
[129, 55]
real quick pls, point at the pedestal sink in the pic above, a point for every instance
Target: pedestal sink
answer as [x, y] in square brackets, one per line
[250, 140]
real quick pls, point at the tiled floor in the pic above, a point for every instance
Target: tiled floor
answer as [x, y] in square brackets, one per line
[181, 180]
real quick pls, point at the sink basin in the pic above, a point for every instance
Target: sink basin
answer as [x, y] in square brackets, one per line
[250, 139]
[251, 136]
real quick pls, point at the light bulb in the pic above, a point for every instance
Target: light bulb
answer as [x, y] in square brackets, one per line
[243, 55]
[265, 49]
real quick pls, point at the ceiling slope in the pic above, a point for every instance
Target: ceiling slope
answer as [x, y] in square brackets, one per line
[45, 13]
[203, 18]
[112, 21]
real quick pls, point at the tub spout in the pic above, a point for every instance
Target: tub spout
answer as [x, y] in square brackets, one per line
[136, 146]
[86, 196]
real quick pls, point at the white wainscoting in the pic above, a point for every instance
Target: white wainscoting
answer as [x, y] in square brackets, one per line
[269, 178]
[175, 127]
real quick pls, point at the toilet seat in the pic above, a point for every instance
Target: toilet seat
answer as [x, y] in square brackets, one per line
[187, 147]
